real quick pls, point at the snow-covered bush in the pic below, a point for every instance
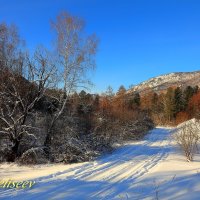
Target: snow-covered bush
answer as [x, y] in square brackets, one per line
[33, 156]
[138, 128]
[187, 136]
[72, 151]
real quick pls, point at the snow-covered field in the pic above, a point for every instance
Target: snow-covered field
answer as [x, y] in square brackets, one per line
[150, 169]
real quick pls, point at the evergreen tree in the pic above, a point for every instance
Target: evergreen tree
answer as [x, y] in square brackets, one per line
[154, 103]
[188, 93]
[169, 104]
[82, 94]
[109, 92]
[96, 102]
[178, 100]
[196, 89]
[136, 99]
[121, 90]
[83, 101]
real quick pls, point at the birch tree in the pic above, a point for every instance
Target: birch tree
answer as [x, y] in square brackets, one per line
[76, 57]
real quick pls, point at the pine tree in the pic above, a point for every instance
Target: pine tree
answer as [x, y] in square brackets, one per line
[154, 103]
[96, 102]
[82, 94]
[169, 104]
[188, 93]
[178, 100]
[109, 92]
[136, 99]
[196, 89]
[121, 90]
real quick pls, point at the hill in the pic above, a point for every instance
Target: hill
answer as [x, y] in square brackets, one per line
[161, 83]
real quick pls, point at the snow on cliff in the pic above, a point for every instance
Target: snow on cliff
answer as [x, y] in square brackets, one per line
[162, 82]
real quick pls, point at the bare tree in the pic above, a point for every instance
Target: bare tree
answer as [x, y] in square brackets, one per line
[187, 137]
[75, 51]
[11, 55]
[19, 94]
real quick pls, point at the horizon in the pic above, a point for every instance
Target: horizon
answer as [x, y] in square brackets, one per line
[139, 40]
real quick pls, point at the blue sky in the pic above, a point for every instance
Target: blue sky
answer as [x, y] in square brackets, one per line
[139, 39]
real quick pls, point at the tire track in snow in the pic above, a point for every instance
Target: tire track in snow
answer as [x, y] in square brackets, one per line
[126, 165]
[141, 169]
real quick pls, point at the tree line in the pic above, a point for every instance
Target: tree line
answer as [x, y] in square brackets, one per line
[175, 105]
[43, 117]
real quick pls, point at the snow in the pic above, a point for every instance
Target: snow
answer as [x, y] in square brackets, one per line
[192, 122]
[153, 168]
[164, 81]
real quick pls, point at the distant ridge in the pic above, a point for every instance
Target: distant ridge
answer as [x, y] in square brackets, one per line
[161, 83]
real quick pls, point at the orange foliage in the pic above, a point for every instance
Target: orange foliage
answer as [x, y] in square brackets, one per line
[105, 104]
[146, 101]
[181, 117]
[194, 105]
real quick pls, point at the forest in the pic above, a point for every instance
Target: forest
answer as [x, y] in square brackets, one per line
[46, 113]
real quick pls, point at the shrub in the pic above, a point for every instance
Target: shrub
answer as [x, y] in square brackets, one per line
[187, 137]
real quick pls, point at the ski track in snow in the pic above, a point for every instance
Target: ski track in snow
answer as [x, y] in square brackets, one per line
[105, 178]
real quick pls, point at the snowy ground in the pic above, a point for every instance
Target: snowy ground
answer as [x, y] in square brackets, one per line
[150, 169]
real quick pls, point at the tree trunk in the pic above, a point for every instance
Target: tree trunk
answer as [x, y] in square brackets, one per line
[14, 152]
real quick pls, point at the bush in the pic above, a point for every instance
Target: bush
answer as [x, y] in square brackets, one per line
[187, 137]
[33, 156]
